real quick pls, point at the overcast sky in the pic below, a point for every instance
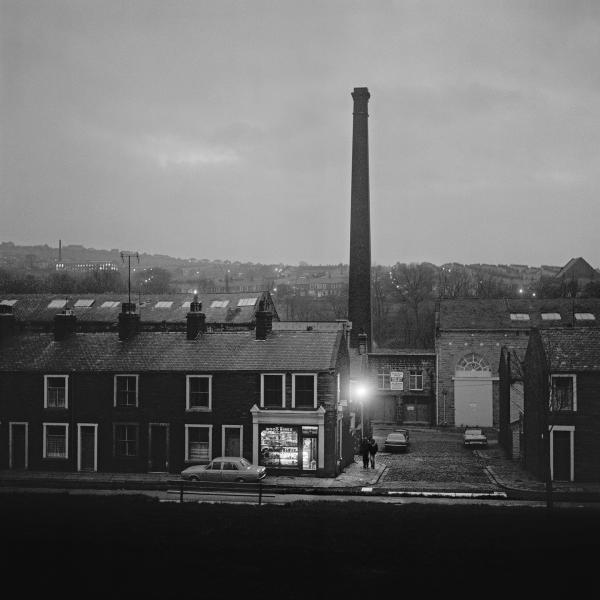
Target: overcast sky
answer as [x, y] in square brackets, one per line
[223, 129]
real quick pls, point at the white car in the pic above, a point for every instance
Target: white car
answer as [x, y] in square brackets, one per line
[474, 437]
[225, 468]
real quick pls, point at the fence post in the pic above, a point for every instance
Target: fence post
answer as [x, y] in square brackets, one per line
[259, 493]
[181, 493]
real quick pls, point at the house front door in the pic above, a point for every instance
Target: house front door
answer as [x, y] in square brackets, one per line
[18, 446]
[87, 448]
[159, 443]
[561, 455]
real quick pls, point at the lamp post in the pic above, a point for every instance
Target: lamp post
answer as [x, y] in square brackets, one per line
[361, 393]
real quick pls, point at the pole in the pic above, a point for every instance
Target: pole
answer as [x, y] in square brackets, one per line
[362, 420]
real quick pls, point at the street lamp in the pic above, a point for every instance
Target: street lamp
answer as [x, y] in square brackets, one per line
[361, 394]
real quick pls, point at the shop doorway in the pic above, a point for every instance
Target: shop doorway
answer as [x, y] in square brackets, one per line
[159, 447]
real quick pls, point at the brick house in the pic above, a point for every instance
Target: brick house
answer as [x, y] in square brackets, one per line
[401, 386]
[137, 401]
[562, 404]
[511, 400]
[470, 333]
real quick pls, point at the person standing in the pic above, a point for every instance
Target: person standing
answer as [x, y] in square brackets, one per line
[373, 448]
[364, 450]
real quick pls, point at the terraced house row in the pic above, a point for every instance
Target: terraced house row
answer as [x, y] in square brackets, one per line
[159, 400]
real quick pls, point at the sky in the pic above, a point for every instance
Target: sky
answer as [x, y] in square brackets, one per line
[223, 129]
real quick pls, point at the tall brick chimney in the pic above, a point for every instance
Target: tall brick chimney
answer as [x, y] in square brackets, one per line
[128, 321]
[64, 324]
[359, 279]
[196, 319]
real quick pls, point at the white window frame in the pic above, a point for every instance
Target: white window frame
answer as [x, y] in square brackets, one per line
[241, 430]
[262, 388]
[136, 426]
[314, 376]
[66, 378]
[137, 390]
[10, 442]
[189, 426]
[563, 376]
[95, 426]
[415, 373]
[571, 429]
[187, 394]
[45, 433]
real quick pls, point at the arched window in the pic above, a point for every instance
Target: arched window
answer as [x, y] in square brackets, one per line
[473, 365]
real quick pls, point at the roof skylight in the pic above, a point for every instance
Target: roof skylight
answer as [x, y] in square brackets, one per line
[551, 317]
[519, 317]
[8, 302]
[247, 301]
[163, 304]
[109, 304]
[85, 303]
[57, 304]
[585, 317]
[219, 303]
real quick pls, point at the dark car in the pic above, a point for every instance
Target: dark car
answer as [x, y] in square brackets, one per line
[474, 437]
[225, 468]
[397, 441]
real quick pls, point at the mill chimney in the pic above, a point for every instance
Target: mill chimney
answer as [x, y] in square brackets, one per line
[359, 277]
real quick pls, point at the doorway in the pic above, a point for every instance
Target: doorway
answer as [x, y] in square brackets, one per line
[158, 440]
[562, 458]
[232, 440]
[87, 459]
[18, 456]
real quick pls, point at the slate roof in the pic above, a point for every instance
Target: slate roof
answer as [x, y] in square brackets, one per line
[571, 350]
[35, 307]
[490, 314]
[307, 351]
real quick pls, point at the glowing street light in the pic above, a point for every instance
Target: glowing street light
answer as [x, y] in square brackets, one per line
[361, 393]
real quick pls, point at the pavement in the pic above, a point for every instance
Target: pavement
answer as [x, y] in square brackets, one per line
[491, 475]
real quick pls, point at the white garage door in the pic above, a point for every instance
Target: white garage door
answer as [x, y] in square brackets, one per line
[473, 401]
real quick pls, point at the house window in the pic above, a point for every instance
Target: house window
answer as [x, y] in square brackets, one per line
[564, 396]
[272, 388]
[126, 440]
[199, 392]
[415, 380]
[304, 391]
[56, 389]
[56, 440]
[198, 447]
[126, 390]
[383, 378]
[472, 364]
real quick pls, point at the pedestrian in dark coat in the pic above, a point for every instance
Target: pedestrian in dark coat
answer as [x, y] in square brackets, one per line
[373, 448]
[364, 450]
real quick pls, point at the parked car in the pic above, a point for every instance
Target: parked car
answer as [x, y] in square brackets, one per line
[404, 431]
[397, 441]
[225, 468]
[474, 437]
